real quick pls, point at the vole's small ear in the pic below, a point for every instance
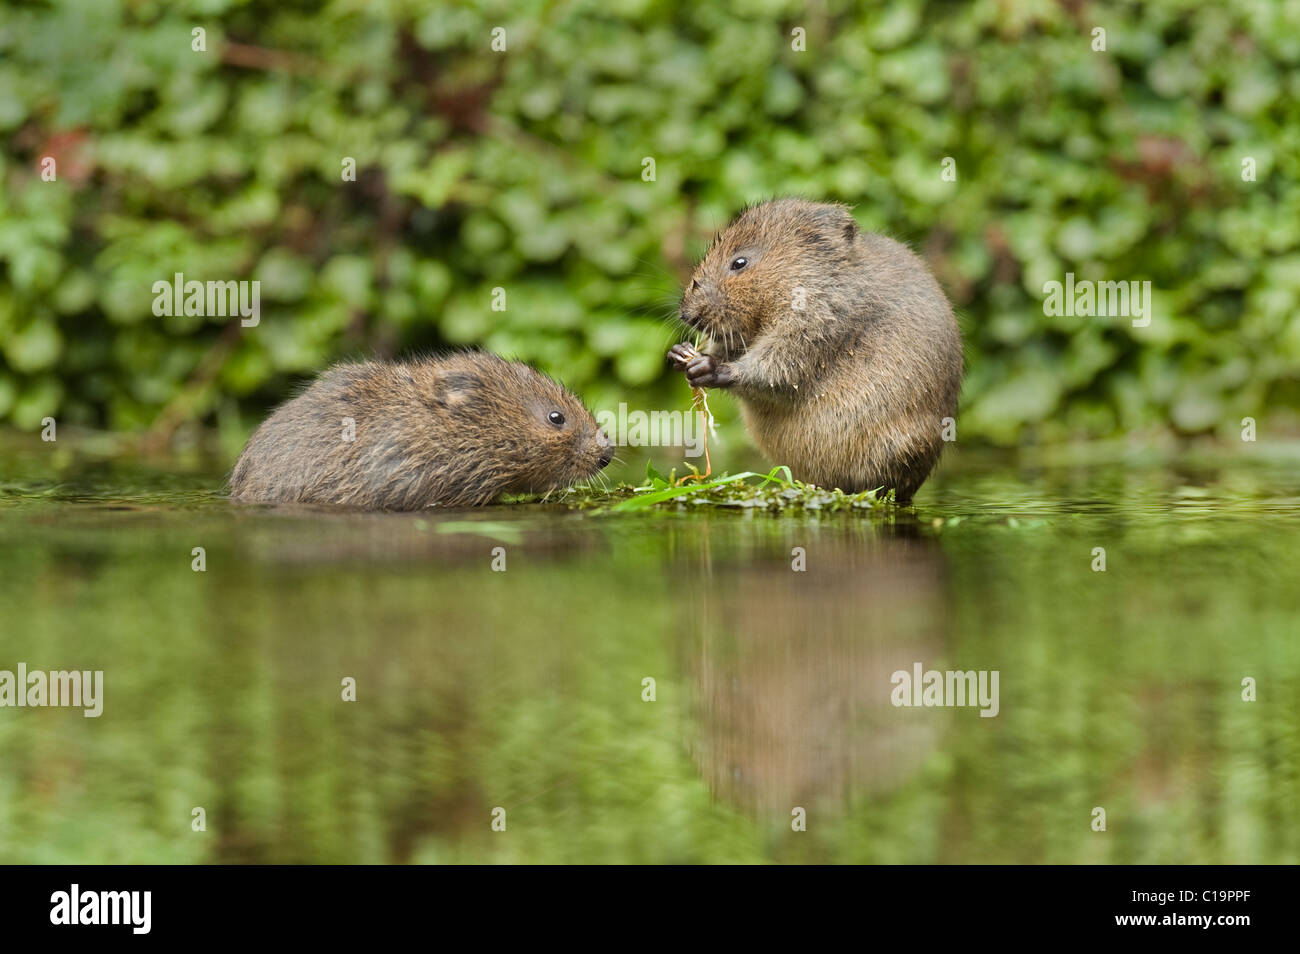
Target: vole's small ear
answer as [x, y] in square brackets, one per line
[456, 389]
[838, 219]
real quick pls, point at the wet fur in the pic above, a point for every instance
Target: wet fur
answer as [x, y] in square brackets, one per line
[851, 392]
[453, 431]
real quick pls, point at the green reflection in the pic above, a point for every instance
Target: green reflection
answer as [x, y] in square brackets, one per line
[522, 689]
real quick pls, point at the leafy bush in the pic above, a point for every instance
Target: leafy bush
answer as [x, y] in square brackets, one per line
[522, 170]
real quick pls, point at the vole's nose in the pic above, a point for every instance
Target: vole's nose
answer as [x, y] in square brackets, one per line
[606, 456]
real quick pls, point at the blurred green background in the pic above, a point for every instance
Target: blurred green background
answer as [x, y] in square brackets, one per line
[522, 169]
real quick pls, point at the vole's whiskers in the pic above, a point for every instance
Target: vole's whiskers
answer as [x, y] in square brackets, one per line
[669, 328]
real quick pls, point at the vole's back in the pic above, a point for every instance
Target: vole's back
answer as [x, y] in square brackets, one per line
[452, 431]
[335, 443]
[874, 414]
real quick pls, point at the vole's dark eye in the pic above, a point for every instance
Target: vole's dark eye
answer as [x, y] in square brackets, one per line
[556, 418]
[738, 263]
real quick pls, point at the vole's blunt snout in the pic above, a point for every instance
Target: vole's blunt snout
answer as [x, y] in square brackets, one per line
[702, 304]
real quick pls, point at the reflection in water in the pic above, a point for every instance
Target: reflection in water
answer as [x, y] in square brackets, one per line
[522, 688]
[323, 537]
[791, 671]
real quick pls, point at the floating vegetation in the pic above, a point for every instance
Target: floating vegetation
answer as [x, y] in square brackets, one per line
[776, 491]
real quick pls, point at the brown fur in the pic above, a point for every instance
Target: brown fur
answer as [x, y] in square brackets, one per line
[852, 390]
[454, 431]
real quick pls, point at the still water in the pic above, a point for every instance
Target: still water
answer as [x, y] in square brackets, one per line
[525, 689]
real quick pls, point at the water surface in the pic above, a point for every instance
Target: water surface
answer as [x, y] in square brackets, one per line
[523, 690]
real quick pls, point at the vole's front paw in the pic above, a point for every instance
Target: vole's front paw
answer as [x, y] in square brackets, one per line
[702, 370]
[707, 372]
[681, 355]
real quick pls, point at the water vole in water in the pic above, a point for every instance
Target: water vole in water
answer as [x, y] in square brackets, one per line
[454, 431]
[839, 344]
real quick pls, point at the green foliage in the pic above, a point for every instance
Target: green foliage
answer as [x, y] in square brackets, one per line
[776, 491]
[522, 170]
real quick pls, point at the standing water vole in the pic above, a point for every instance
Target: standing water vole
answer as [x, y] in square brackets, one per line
[839, 344]
[454, 431]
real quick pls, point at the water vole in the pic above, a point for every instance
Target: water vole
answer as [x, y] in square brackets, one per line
[839, 344]
[458, 430]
